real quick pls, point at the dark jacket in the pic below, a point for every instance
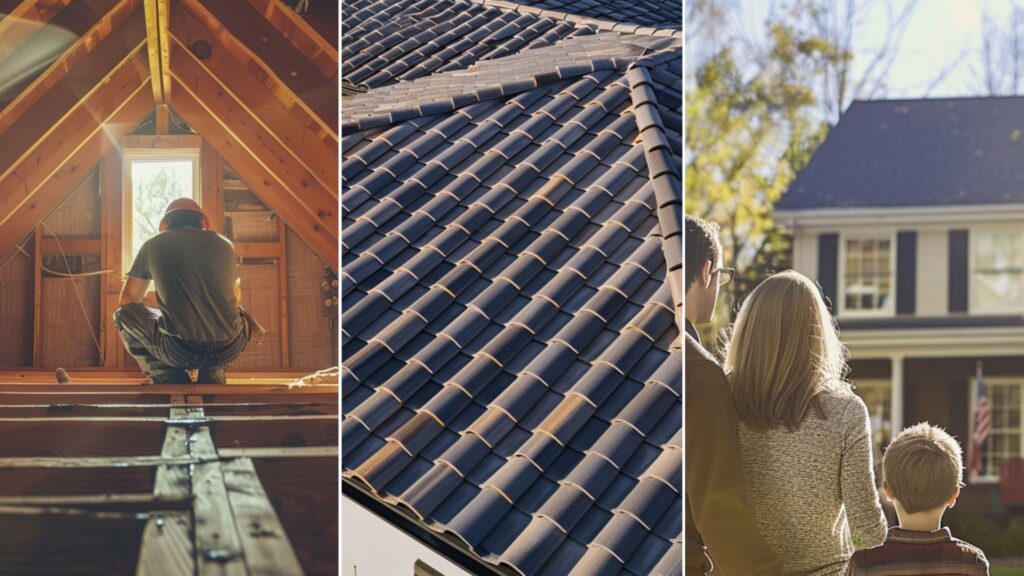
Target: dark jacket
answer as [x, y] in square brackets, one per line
[717, 515]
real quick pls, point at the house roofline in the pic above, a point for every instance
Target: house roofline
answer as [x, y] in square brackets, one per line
[931, 343]
[902, 215]
[416, 529]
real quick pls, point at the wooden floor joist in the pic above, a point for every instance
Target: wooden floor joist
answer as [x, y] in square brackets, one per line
[204, 479]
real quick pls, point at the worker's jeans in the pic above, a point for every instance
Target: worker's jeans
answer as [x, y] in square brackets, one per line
[164, 358]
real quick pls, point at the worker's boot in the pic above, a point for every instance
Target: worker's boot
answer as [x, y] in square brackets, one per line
[212, 376]
[62, 376]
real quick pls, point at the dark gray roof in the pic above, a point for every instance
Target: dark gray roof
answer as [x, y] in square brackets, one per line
[939, 152]
[388, 41]
[511, 274]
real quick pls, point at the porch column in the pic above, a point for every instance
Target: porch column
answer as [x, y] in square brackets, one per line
[897, 394]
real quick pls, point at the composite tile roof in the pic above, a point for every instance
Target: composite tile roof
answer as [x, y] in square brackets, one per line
[511, 274]
[932, 152]
[388, 41]
[656, 13]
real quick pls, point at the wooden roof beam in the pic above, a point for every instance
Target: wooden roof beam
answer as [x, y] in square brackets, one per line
[293, 127]
[51, 168]
[158, 50]
[266, 166]
[265, 53]
[306, 40]
[24, 21]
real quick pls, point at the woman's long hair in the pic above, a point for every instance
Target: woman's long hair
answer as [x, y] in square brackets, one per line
[784, 351]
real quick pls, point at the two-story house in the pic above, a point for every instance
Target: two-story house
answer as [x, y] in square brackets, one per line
[911, 217]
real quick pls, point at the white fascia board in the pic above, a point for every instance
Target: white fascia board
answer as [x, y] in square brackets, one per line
[903, 216]
[933, 343]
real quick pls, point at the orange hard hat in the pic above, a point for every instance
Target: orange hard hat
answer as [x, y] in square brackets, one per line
[183, 204]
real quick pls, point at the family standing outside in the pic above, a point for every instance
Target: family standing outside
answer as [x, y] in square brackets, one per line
[779, 472]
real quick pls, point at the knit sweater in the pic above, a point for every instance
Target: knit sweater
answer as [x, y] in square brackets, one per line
[813, 490]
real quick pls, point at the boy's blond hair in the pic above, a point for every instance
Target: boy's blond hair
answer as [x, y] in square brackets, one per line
[922, 467]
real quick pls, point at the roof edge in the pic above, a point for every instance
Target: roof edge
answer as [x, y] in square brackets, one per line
[583, 20]
[904, 215]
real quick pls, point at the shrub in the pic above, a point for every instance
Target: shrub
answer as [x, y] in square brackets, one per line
[979, 530]
[1013, 537]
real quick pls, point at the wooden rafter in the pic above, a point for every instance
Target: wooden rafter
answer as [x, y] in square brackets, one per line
[24, 21]
[272, 173]
[157, 48]
[306, 40]
[266, 54]
[294, 129]
[54, 164]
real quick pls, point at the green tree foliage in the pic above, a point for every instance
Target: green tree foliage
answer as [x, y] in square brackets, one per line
[750, 128]
[150, 198]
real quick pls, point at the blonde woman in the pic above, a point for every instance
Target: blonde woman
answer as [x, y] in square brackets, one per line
[805, 442]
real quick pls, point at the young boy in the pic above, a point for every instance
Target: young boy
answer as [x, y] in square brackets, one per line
[922, 471]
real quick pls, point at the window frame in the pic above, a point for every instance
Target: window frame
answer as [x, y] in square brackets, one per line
[890, 307]
[973, 393]
[972, 293]
[153, 148]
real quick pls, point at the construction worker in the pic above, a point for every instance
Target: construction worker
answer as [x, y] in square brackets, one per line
[200, 325]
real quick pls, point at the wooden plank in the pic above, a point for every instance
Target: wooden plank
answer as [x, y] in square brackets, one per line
[302, 137]
[93, 461]
[24, 21]
[161, 142]
[37, 298]
[264, 541]
[278, 432]
[109, 502]
[279, 392]
[282, 283]
[212, 193]
[303, 37]
[111, 251]
[265, 53]
[68, 541]
[72, 246]
[34, 480]
[69, 60]
[294, 452]
[65, 438]
[218, 544]
[247, 250]
[154, 30]
[307, 208]
[58, 162]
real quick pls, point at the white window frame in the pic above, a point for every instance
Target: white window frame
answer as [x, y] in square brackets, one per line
[151, 154]
[969, 445]
[972, 294]
[890, 307]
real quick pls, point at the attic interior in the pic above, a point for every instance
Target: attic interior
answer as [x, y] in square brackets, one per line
[109, 109]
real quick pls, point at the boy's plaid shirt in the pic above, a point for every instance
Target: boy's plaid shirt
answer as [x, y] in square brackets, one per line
[909, 552]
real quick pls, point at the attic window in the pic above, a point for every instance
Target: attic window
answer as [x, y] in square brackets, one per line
[156, 171]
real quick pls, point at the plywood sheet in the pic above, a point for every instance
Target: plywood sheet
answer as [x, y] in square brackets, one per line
[260, 296]
[66, 334]
[16, 311]
[310, 344]
[78, 215]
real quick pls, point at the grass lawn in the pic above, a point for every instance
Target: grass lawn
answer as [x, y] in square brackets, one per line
[1007, 571]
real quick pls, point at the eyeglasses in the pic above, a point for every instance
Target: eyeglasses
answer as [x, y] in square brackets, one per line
[726, 275]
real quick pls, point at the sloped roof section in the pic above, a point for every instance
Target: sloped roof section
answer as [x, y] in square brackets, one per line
[941, 152]
[652, 13]
[390, 41]
[512, 373]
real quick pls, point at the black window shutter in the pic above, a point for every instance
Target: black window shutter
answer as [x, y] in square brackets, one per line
[906, 272]
[828, 266]
[958, 273]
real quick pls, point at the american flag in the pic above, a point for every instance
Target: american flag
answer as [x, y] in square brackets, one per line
[982, 426]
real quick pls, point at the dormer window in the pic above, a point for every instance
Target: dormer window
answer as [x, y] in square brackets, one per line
[997, 271]
[866, 277]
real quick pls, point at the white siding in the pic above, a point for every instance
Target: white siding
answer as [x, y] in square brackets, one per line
[805, 253]
[370, 546]
[932, 272]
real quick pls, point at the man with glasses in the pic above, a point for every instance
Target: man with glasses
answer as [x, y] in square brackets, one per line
[719, 523]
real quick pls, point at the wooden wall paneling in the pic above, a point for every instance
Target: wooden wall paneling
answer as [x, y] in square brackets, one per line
[37, 299]
[309, 209]
[77, 216]
[260, 298]
[309, 331]
[56, 164]
[17, 312]
[68, 330]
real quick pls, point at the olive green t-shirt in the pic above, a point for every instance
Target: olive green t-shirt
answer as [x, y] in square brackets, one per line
[194, 272]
